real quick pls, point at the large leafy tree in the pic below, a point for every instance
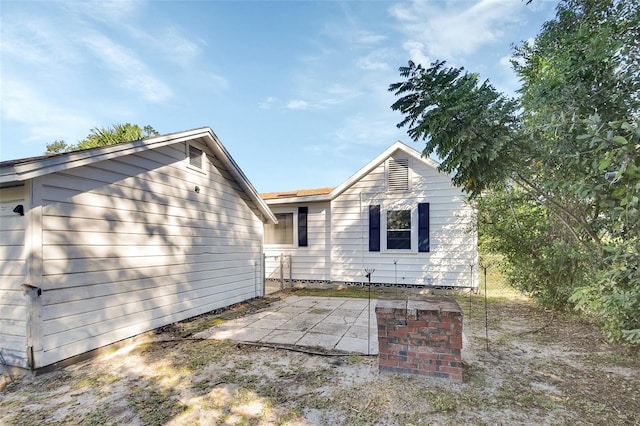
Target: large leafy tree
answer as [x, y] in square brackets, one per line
[466, 123]
[575, 122]
[105, 136]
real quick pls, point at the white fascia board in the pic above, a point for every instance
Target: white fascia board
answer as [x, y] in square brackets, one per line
[303, 199]
[221, 152]
[397, 146]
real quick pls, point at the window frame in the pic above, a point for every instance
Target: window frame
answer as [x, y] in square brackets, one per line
[294, 242]
[404, 231]
[384, 229]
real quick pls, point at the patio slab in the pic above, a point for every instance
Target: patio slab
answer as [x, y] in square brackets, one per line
[333, 323]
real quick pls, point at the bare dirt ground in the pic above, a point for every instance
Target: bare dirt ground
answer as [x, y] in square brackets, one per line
[540, 369]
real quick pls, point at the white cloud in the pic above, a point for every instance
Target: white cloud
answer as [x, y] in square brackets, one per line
[37, 42]
[454, 29]
[335, 94]
[505, 61]
[374, 60]
[267, 103]
[365, 129]
[415, 49]
[366, 37]
[180, 46]
[298, 104]
[131, 73]
[338, 94]
[46, 120]
[106, 11]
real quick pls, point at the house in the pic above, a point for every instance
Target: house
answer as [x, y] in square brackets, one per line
[104, 244]
[398, 215]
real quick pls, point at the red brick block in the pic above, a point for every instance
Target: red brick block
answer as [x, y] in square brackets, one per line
[425, 339]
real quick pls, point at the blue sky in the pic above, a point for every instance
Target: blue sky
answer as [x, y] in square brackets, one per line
[296, 90]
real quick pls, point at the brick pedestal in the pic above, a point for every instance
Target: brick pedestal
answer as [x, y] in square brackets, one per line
[421, 337]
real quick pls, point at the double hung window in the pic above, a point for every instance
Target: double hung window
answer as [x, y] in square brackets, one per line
[399, 230]
[405, 229]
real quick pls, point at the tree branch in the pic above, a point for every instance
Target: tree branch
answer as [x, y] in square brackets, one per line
[583, 225]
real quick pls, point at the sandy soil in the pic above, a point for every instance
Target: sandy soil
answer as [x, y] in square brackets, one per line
[540, 369]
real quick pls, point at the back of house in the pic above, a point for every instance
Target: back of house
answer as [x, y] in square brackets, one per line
[398, 215]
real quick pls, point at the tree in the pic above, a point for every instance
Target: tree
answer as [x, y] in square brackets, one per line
[57, 146]
[576, 119]
[467, 124]
[105, 136]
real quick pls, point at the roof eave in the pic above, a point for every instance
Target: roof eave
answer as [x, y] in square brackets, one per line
[302, 199]
[46, 165]
[222, 153]
[397, 146]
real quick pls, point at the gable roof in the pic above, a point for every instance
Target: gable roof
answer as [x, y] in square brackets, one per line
[29, 168]
[309, 195]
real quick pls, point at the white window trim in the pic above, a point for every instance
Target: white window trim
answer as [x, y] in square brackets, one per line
[414, 229]
[202, 170]
[295, 231]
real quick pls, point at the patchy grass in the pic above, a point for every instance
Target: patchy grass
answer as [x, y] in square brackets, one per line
[540, 369]
[154, 405]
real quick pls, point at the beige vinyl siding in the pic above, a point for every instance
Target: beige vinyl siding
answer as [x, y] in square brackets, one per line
[313, 261]
[13, 302]
[129, 245]
[452, 259]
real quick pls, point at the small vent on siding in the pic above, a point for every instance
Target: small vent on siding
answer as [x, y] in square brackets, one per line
[398, 174]
[195, 157]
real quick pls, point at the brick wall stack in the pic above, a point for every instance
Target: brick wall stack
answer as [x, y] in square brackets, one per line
[422, 337]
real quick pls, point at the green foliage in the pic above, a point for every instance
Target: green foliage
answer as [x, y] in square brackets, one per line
[57, 146]
[105, 136]
[467, 124]
[583, 62]
[540, 258]
[614, 295]
[556, 173]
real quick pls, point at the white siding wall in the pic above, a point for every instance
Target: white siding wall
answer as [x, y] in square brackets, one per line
[453, 250]
[13, 301]
[129, 245]
[308, 263]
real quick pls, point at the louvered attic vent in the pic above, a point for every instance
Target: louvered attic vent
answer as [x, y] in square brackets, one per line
[398, 174]
[195, 157]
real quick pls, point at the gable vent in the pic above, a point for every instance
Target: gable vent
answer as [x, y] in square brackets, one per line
[195, 157]
[398, 174]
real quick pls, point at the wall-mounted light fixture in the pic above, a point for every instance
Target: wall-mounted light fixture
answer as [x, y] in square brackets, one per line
[19, 209]
[197, 189]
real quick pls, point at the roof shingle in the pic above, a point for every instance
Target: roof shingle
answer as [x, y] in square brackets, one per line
[296, 193]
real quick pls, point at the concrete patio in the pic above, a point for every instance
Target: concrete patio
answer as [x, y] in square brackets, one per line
[333, 323]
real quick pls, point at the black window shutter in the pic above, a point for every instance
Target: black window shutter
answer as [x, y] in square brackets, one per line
[302, 226]
[374, 228]
[423, 227]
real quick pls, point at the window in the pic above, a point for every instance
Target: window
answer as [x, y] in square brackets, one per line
[399, 230]
[398, 174]
[195, 157]
[406, 228]
[282, 232]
